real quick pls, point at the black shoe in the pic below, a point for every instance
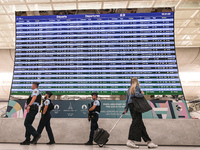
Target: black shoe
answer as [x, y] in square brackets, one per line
[89, 143]
[35, 139]
[51, 142]
[26, 142]
[32, 142]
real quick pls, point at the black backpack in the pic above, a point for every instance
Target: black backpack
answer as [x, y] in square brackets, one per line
[51, 106]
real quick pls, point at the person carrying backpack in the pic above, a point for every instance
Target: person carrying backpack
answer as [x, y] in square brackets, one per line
[47, 106]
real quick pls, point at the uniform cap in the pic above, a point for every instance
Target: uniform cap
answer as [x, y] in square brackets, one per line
[49, 93]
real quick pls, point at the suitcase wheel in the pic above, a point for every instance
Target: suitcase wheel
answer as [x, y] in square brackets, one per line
[100, 145]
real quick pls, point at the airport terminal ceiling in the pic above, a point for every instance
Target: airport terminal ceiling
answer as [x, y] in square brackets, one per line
[187, 15]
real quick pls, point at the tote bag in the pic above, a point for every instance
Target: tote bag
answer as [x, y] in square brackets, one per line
[141, 104]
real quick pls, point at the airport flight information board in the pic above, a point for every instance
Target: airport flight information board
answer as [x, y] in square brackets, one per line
[80, 54]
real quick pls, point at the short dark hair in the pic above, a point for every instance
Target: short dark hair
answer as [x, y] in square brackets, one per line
[36, 83]
[95, 94]
[49, 93]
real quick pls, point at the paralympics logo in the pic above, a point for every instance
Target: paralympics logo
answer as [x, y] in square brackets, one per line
[56, 109]
[84, 109]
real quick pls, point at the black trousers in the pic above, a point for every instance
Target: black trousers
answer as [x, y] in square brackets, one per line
[137, 129]
[45, 122]
[30, 130]
[94, 126]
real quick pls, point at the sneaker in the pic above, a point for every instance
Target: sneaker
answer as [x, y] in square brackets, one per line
[131, 144]
[51, 142]
[35, 139]
[89, 143]
[26, 142]
[152, 145]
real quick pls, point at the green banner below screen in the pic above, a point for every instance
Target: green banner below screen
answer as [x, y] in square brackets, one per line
[105, 93]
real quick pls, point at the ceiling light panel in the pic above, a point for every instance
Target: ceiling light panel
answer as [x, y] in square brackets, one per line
[117, 4]
[184, 43]
[12, 45]
[93, 5]
[38, 1]
[177, 43]
[1, 34]
[89, 0]
[179, 37]
[189, 31]
[194, 23]
[178, 23]
[2, 39]
[185, 23]
[7, 26]
[39, 7]
[189, 4]
[4, 45]
[5, 18]
[141, 4]
[178, 30]
[12, 1]
[194, 43]
[12, 8]
[63, 0]
[184, 14]
[2, 11]
[9, 39]
[12, 17]
[197, 38]
[8, 33]
[196, 14]
[166, 3]
[185, 37]
[64, 6]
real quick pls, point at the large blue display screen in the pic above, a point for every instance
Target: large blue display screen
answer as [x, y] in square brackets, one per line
[80, 54]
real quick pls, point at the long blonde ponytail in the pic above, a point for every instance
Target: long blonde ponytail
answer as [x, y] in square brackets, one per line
[134, 83]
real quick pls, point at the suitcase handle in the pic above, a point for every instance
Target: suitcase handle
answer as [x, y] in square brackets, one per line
[116, 123]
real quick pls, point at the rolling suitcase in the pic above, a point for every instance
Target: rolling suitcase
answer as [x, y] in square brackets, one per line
[101, 136]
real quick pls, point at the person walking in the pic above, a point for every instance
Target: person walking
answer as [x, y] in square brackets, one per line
[33, 103]
[46, 117]
[137, 129]
[94, 116]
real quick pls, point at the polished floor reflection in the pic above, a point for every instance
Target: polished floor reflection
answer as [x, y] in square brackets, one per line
[83, 147]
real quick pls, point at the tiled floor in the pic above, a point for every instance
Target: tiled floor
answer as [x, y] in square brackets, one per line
[83, 147]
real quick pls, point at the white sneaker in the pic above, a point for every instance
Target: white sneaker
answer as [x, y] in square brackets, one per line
[131, 144]
[152, 145]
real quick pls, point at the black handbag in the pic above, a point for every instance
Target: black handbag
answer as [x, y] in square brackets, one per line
[141, 104]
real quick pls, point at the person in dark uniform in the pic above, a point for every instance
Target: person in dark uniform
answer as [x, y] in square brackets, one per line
[45, 119]
[33, 103]
[94, 116]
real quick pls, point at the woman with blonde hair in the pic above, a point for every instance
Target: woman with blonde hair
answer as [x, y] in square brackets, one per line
[137, 129]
